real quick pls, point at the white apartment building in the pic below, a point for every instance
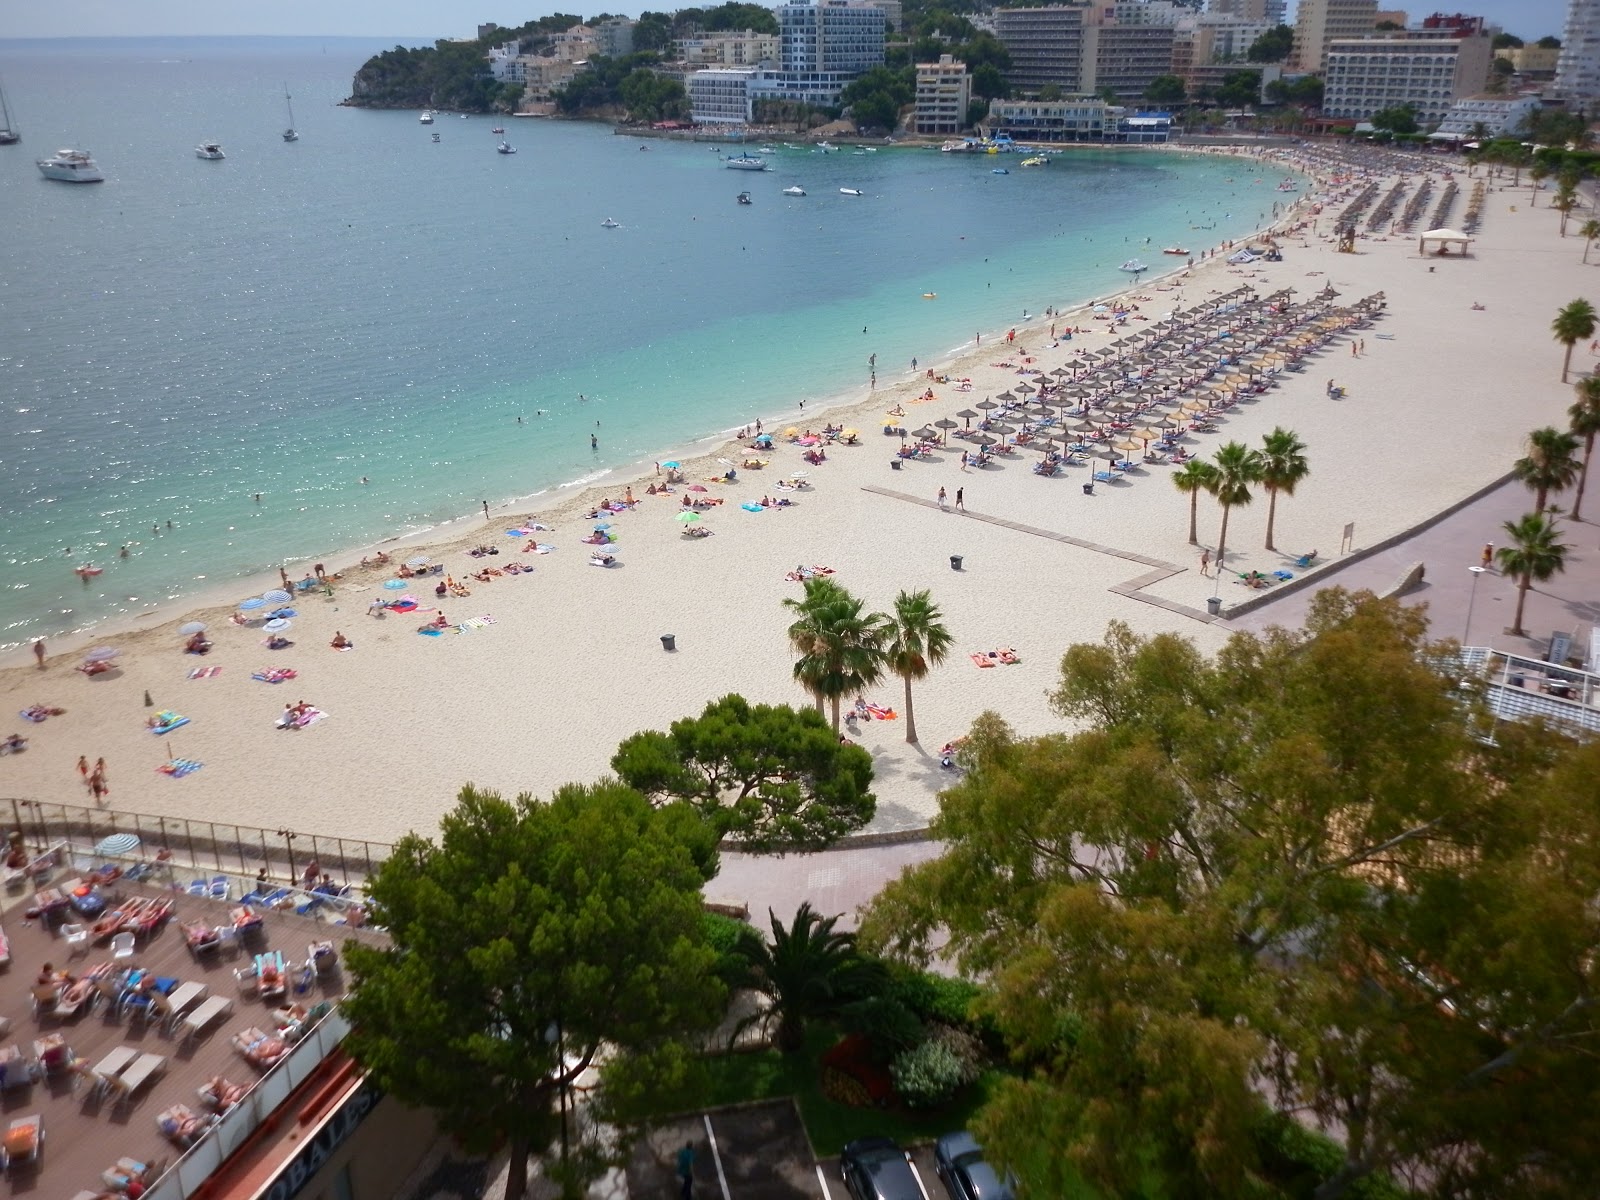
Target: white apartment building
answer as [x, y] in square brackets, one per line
[576, 44]
[1319, 22]
[745, 48]
[1578, 67]
[944, 92]
[1267, 12]
[614, 37]
[1497, 115]
[893, 13]
[720, 95]
[822, 47]
[1077, 120]
[1425, 69]
[1045, 44]
[1149, 12]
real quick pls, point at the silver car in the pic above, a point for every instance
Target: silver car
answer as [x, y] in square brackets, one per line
[959, 1161]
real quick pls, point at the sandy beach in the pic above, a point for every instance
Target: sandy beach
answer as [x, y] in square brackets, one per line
[572, 662]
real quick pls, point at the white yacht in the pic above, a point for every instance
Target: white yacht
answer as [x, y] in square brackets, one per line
[71, 166]
[505, 148]
[746, 162]
[850, 192]
[210, 150]
[608, 223]
[426, 118]
[797, 190]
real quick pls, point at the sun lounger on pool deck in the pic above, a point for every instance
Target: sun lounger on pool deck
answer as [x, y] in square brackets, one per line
[259, 1049]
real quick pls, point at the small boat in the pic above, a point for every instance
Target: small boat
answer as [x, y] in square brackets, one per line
[826, 146]
[1174, 250]
[10, 135]
[744, 198]
[1000, 171]
[290, 134]
[930, 295]
[851, 192]
[608, 223]
[797, 190]
[426, 118]
[71, 166]
[505, 148]
[209, 150]
[498, 129]
[435, 137]
[745, 162]
[766, 150]
[1133, 266]
[1038, 160]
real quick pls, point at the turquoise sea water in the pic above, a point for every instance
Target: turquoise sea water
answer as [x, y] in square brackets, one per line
[365, 302]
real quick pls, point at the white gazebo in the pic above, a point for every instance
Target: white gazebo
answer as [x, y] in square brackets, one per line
[1445, 238]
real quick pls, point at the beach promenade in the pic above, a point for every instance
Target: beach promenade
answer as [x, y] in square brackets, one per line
[558, 665]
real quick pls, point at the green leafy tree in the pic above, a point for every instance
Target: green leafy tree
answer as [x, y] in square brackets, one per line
[1272, 46]
[808, 972]
[1237, 467]
[762, 775]
[579, 917]
[989, 83]
[757, 18]
[1239, 89]
[840, 644]
[1507, 41]
[1549, 42]
[1398, 118]
[1288, 883]
[1589, 231]
[915, 640]
[652, 97]
[1166, 89]
[1283, 465]
[653, 31]
[1194, 477]
[1535, 553]
[1550, 464]
[977, 111]
[1573, 324]
[1584, 418]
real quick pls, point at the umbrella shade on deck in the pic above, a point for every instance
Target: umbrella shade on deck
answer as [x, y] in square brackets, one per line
[986, 404]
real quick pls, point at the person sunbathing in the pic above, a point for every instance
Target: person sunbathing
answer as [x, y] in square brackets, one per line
[221, 1093]
[278, 642]
[340, 642]
[11, 745]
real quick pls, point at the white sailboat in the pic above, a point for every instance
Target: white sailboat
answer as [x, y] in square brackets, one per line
[9, 133]
[290, 134]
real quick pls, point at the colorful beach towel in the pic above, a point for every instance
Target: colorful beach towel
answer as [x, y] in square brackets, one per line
[179, 767]
[205, 672]
[472, 623]
[166, 722]
[274, 674]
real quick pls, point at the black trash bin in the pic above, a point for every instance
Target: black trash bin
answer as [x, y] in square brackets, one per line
[1213, 605]
[1088, 488]
[955, 562]
[669, 641]
[895, 463]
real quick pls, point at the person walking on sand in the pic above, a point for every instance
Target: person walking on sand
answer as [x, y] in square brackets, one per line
[38, 652]
[961, 503]
[1205, 563]
[83, 767]
[1487, 559]
[943, 503]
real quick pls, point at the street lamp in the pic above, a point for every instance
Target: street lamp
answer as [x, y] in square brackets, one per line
[1471, 599]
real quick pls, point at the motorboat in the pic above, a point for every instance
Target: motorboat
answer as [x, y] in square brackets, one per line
[426, 118]
[1038, 160]
[797, 190]
[498, 129]
[505, 148]
[744, 198]
[851, 192]
[766, 150]
[608, 223]
[1000, 171]
[826, 146]
[71, 166]
[290, 134]
[209, 150]
[745, 162]
[1174, 250]
[10, 135]
[435, 138]
[930, 295]
[1133, 266]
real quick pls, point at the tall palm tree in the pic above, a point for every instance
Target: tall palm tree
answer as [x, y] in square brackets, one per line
[1283, 465]
[1573, 324]
[1564, 201]
[1196, 476]
[1537, 174]
[1550, 464]
[916, 640]
[1534, 553]
[1584, 417]
[1237, 468]
[808, 972]
[841, 645]
[806, 634]
[1589, 231]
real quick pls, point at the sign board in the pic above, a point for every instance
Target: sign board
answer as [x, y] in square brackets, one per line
[1560, 648]
[303, 1167]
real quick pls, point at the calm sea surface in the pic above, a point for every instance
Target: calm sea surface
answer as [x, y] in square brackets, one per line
[365, 302]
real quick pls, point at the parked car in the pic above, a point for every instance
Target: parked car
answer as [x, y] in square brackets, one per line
[959, 1161]
[875, 1168]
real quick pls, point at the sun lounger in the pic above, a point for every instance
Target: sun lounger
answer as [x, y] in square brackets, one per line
[259, 1049]
[182, 1126]
[198, 1020]
[23, 1141]
[220, 1094]
[145, 1068]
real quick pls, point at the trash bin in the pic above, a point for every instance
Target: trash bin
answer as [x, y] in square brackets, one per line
[955, 562]
[894, 463]
[1088, 488]
[669, 641]
[1213, 606]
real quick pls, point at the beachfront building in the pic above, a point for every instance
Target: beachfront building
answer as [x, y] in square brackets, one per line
[944, 93]
[1490, 116]
[1426, 68]
[893, 13]
[821, 48]
[614, 37]
[1318, 22]
[1076, 120]
[1205, 38]
[1578, 65]
[744, 48]
[1123, 60]
[577, 44]
[1267, 12]
[720, 95]
[1046, 46]
[1532, 62]
[1202, 76]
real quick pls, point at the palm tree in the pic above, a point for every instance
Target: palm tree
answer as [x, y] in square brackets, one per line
[1589, 231]
[1283, 465]
[840, 645]
[808, 972]
[1196, 476]
[1572, 325]
[1564, 201]
[1537, 174]
[1550, 465]
[916, 640]
[1585, 423]
[1237, 467]
[1534, 553]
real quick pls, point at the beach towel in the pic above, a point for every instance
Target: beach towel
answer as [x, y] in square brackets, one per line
[168, 722]
[750, 507]
[882, 714]
[274, 674]
[430, 631]
[472, 623]
[179, 767]
[205, 672]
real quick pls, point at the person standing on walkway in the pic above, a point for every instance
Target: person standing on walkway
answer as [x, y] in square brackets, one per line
[1487, 559]
[83, 767]
[943, 503]
[961, 504]
[1205, 563]
[686, 1171]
